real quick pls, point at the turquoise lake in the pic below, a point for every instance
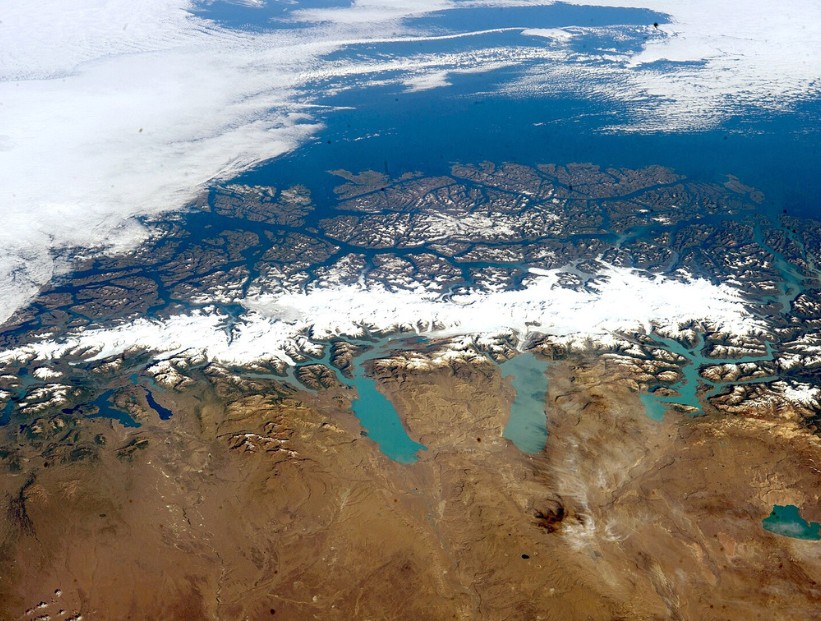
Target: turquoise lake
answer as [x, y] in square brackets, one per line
[786, 520]
[378, 415]
[527, 425]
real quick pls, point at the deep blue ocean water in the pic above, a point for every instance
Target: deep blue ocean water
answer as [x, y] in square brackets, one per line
[391, 130]
[271, 15]
[431, 130]
[558, 15]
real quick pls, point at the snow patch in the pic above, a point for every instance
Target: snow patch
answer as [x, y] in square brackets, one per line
[274, 325]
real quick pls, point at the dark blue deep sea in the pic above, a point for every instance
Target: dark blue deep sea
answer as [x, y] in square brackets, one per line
[388, 129]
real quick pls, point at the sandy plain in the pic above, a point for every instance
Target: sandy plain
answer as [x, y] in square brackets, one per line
[254, 503]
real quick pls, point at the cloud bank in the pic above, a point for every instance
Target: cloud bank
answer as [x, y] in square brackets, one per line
[128, 109]
[712, 61]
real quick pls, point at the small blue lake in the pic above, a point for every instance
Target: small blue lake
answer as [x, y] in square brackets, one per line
[163, 412]
[786, 520]
[105, 409]
[527, 425]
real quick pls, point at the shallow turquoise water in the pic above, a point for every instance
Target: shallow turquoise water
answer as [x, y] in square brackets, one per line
[375, 412]
[687, 390]
[527, 425]
[786, 520]
[378, 416]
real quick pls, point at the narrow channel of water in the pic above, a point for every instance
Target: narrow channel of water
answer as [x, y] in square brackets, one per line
[692, 383]
[792, 284]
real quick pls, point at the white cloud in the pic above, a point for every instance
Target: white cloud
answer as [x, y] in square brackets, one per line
[427, 81]
[51, 38]
[112, 109]
[559, 35]
[728, 56]
[116, 109]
